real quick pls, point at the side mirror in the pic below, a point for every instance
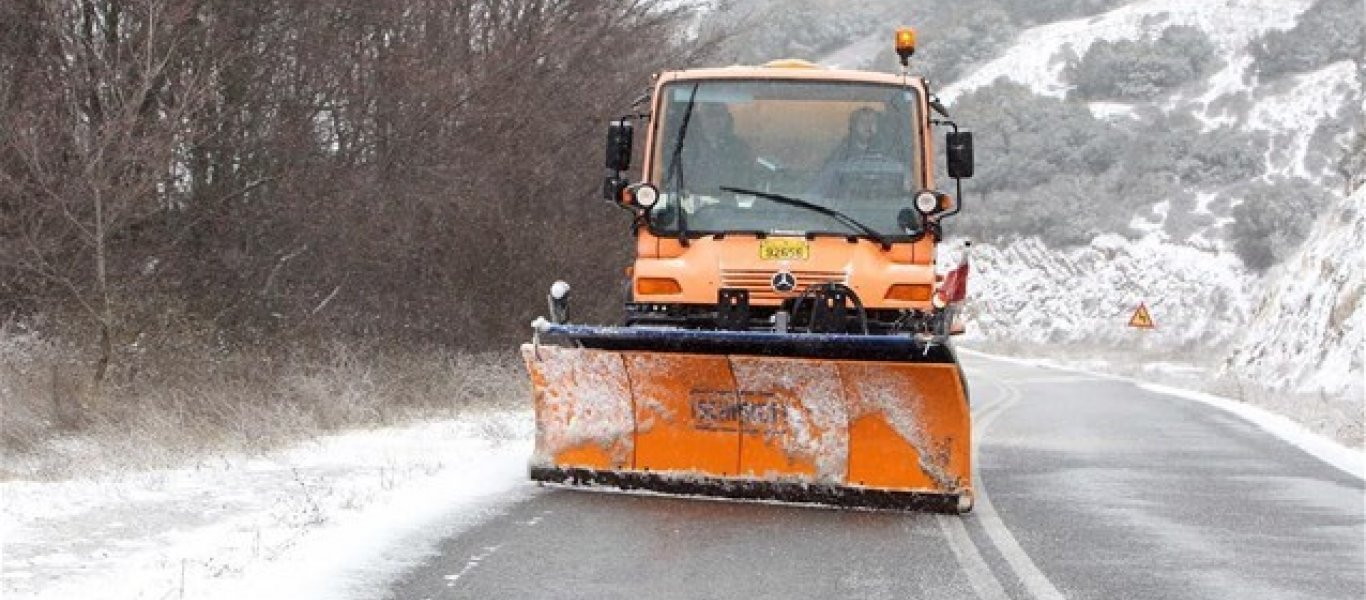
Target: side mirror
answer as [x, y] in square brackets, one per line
[619, 136]
[958, 151]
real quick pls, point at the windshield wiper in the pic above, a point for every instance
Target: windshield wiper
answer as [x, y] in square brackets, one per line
[825, 210]
[676, 167]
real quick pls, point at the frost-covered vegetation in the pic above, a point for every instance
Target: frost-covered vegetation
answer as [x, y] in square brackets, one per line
[1273, 220]
[1142, 69]
[165, 407]
[1330, 31]
[1061, 174]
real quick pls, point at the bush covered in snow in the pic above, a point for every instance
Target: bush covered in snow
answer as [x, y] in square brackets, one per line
[1272, 221]
[1142, 69]
[1330, 31]
[1173, 146]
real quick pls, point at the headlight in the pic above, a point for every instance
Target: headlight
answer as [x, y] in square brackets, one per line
[646, 195]
[927, 202]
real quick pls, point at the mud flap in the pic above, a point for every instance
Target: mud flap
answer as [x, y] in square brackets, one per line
[847, 431]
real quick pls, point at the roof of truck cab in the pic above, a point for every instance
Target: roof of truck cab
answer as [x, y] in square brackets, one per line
[790, 70]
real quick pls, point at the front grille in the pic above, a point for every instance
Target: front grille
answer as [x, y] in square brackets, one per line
[759, 282]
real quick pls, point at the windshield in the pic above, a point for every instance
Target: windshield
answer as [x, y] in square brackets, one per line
[847, 147]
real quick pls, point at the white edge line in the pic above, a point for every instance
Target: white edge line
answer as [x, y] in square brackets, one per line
[1351, 461]
[1348, 460]
[1029, 574]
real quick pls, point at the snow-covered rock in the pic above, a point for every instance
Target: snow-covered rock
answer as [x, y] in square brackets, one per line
[1308, 333]
[1027, 293]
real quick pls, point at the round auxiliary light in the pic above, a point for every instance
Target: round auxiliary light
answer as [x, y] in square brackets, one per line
[559, 290]
[646, 195]
[927, 202]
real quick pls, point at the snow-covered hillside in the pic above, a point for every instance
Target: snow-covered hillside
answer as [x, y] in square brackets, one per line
[1037, 58]
[1288, 110]
[1309, 332]
[1297, 328]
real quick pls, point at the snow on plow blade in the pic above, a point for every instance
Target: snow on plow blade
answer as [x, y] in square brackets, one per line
[754, 415]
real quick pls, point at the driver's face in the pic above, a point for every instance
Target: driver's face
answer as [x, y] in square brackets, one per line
[865, 127]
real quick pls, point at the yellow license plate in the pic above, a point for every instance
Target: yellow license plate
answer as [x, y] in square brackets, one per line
[784, 250]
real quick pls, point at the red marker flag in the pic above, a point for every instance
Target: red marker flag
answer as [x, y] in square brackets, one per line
[955, 285]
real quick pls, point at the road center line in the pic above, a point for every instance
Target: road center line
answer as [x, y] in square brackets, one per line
[1033, 579]
[983, 581]
[980, 577]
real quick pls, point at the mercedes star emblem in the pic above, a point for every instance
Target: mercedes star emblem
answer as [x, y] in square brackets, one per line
[784, 282]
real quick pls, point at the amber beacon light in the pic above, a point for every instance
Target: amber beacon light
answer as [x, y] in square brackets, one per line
[905, 44]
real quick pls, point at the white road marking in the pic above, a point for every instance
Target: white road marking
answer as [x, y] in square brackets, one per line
[1033, 579]
[980, 577]
[1330, 451]
[983, 581]
[471, 564]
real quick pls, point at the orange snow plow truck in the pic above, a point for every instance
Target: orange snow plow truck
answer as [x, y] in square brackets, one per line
[787, 336]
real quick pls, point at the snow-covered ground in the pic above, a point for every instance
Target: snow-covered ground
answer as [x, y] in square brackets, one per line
[1288, 109]
[1309, 334]
[1035, 58]
[319, 521]
[1031, 295]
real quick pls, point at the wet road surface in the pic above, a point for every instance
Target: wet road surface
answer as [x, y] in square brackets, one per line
[1088, 487]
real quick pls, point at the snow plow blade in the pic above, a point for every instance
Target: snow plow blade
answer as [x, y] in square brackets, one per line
[846, 420]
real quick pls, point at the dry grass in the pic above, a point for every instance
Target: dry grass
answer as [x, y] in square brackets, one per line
[183, 407]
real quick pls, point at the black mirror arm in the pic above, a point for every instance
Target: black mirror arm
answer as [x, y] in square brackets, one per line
[938, 106]
[958, 202]
[944, 122]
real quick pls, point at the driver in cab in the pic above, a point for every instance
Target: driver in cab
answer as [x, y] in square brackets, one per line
[713, 155]
[864, 164]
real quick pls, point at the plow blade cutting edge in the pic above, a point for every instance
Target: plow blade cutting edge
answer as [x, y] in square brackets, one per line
[886, 424]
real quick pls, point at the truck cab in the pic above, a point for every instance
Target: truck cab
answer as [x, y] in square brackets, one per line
[786, 196]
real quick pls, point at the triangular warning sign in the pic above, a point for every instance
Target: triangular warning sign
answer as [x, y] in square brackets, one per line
[1141, 318]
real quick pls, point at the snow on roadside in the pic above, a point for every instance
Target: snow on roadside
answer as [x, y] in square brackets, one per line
[323, 520]
[1346, 459]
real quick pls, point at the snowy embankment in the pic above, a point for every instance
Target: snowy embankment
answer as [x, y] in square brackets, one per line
[1290, 341]
[1309, 332]
[1030, 295]
[323, 520]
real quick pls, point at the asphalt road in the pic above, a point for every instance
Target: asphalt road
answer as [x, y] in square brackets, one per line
[1087, 488]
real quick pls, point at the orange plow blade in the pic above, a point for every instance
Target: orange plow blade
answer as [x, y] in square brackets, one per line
[871, 433]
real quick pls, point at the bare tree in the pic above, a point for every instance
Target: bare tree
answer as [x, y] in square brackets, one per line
[92, 131]
[407, 170]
